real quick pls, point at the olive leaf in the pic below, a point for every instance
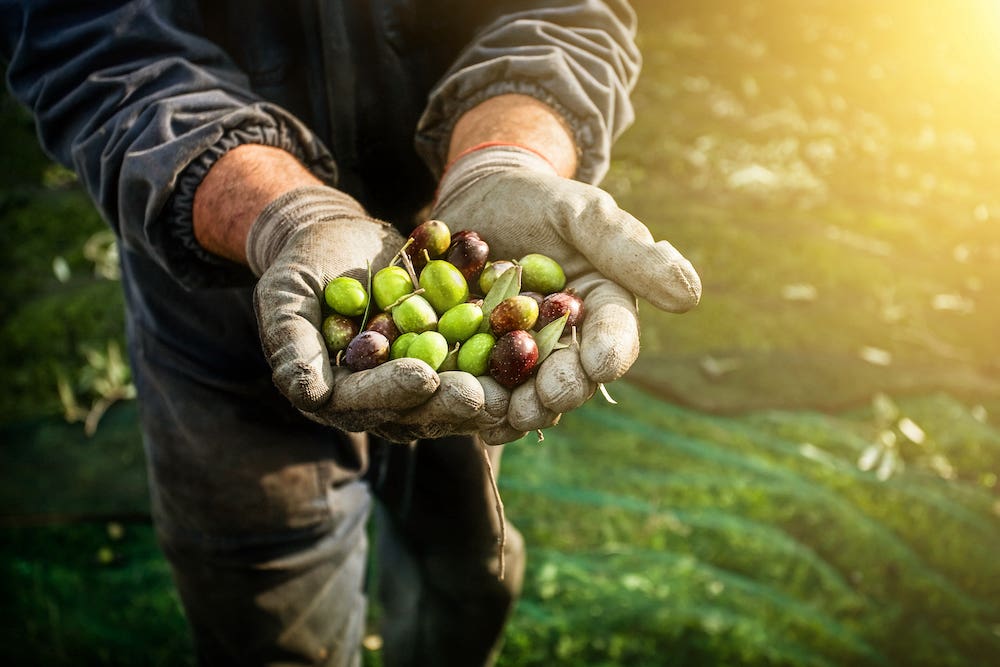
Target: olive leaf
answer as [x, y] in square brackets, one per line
[549, 336]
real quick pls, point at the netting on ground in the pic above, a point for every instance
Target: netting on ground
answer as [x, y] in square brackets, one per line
[665, 536]
[657, 535]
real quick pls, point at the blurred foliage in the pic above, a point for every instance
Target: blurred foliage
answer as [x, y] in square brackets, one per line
[93, 595]
[56, 301]
[831, 169]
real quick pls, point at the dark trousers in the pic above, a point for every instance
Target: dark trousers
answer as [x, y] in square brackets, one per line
[263, 515]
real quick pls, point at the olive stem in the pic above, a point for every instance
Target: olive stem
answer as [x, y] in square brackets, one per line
[502, 542]
[419, 290]
[401, 251]
[368, 304]
[408, 265]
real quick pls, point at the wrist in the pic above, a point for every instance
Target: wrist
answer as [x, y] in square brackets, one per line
[236, 189]
[484, 160]
[519, 120]
[292, 212]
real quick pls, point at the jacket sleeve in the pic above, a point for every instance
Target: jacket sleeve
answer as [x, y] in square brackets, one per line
[131, 98]
[579, 57]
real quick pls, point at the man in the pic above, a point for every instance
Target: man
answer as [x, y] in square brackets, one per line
[248, 152]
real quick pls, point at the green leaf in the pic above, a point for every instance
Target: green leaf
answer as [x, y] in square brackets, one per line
[549, 336]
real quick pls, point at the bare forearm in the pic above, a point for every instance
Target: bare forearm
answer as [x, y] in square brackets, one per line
[236, 189]
[517, 119]
[249, 177]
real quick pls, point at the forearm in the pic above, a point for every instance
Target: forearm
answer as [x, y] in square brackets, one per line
[521, 120]
[236, 189]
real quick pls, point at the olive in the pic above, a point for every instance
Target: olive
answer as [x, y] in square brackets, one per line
[432, 236]
[444, 286]
[458, 323]
[346, 295]
[367, 350]
[474, 354]
[338, 331]
[414, 314]
[540, 273]
[513, 358]
[389, 285]
[516, 312]
[556, 305]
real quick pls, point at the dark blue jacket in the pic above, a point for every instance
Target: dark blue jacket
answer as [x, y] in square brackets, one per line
[140, 98]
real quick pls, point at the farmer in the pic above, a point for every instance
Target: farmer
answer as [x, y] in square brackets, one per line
[246, 153]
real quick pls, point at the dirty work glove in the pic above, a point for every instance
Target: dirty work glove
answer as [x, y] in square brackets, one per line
[297, 244]
[520, 205]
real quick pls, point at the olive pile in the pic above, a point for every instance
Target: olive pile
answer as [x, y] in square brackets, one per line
[451, 307]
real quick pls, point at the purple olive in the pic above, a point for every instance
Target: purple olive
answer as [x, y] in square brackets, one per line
[383, 323]
[465, 234]
[513, 358]
[556, 305]
[468, 254]
[367, 350]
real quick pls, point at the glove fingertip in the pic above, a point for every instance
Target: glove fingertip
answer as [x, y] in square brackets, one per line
[496, 396]
[678, 287]
[502, 434]
[527, 412]
[415, 377]
[397, 385]
[562, 383]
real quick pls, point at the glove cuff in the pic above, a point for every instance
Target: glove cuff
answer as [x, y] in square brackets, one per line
[483, 160]
[291, 212]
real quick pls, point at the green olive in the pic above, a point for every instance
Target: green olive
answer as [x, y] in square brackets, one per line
[414, 314]
[401, 345]
[460, 322]
[389, 285]
[346, 296]
[491, 272]
[430, 347]
[540, 273]
[474, 354]
[444, 285]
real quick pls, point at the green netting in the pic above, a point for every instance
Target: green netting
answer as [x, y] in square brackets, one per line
[667, 531]
[657, 535]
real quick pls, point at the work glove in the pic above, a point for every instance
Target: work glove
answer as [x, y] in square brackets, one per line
[517, 201]
[296, 245]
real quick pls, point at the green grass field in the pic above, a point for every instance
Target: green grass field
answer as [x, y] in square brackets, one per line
[803, 471]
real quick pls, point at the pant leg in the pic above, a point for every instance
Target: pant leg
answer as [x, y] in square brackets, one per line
[298, 601]
[260, 512]
[442, 602]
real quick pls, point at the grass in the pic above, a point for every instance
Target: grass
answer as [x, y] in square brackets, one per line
[758, 496]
